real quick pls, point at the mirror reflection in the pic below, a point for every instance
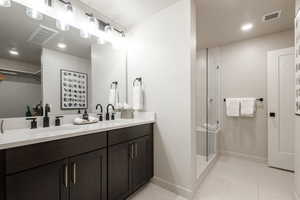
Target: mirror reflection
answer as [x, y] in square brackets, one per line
[41, 64]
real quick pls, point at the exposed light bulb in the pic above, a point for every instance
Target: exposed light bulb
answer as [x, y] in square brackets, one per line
[34, 14]
[48, 3]
[62, 25]
[109, 33]
[66, 18]
[92, 26]
[5, 3]
[108, 29]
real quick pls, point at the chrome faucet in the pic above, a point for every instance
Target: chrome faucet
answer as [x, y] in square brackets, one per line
[107, 117]
[2, 126]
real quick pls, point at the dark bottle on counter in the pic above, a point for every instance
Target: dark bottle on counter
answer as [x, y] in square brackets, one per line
[85, 116]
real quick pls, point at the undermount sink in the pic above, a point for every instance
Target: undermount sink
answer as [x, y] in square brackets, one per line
[56, 128]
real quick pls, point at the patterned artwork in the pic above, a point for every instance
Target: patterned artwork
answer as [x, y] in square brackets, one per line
[297, 63]
[73, 90]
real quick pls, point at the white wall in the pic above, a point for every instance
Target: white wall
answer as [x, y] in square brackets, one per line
[18, 92]
[108, 65]
[244, 71]
[161, 53]
[297, 142]
[52, 63]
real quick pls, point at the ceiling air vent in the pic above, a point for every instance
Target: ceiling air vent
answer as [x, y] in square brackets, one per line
[42, 35]
[272, 16]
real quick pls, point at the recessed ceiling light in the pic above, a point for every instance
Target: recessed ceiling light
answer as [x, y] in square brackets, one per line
[13, 52]
[61, 45]
[247, 27]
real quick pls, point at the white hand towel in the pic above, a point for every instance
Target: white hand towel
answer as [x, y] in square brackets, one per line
[233, 107]
[112, 96]
[248, 107]
[138, 98]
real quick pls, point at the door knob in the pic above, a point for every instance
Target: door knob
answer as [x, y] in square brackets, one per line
[272, 114]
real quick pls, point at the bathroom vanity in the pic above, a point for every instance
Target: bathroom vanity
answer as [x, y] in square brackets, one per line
[110, 162]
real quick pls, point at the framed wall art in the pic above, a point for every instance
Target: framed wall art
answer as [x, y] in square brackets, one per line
[74, 90]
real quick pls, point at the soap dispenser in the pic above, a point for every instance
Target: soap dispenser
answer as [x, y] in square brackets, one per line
[85, 116]
[33, 122]
[57, 120]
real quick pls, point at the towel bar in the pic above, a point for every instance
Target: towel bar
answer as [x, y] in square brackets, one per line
[139, 80]
[115, 83]
[260, 99]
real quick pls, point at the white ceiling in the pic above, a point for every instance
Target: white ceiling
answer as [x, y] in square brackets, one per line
[128, 12]
[219, 21]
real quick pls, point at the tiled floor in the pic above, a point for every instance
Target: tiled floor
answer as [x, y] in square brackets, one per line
[234, 179]
[154, 192]
[240, 179]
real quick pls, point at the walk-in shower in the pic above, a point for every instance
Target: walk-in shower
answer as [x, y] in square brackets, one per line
[208, 106]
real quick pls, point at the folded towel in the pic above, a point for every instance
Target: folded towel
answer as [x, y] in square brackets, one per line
[112, 96]
[233, 107]
[138, 97]
[248, 107]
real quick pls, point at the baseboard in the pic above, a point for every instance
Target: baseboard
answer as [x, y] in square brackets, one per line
[296, 196]
[245, 156]
[204, 174]
[177, 189]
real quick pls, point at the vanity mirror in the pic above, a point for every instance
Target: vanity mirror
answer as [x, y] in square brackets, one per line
[43, 62]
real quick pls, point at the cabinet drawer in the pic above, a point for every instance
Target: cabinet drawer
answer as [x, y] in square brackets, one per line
[21, 158]
[127, 134]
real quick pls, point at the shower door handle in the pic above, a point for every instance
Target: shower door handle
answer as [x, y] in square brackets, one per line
[272, 114]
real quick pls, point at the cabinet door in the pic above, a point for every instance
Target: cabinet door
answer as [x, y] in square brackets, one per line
[142, 162]
[88, 176]
[118, 171]
[49, 182]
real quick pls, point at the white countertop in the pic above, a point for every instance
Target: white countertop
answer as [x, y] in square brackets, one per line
[22, 137]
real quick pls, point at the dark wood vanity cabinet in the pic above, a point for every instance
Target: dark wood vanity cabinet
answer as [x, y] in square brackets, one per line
[88, 176]
[130, 161]
[76, 178]
[99, 166]
[46, 182]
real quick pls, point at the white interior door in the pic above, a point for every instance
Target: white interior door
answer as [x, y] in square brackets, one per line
[281, 108]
